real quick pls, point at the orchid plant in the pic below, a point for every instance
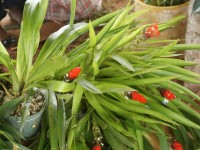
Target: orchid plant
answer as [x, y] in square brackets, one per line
[117, 89]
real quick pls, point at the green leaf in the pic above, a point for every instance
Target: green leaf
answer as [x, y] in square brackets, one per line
[61, 124]
[52, 115]
[120, 137]
[112, 87]
[58, 86]
[100, 110]
[146, 81]
[47, 68]
[92, 35]
[72, 12]
[88, 86]
[8, 107]
[29, 36]
[78, 93]
[111, 45]
[123, 62]
[3, 49]
[176, 117]
[121, 17]
[164, 145]
[196, 7]
[25, 112]
[43, 133]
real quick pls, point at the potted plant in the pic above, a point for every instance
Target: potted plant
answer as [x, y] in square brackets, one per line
[22, 100]
[115, 92]
[163, 10]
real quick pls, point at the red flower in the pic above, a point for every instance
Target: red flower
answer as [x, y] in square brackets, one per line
[177, 146]
[152, 31]
[97, 147]
[168, 94]
[74, 73]
[138, 97]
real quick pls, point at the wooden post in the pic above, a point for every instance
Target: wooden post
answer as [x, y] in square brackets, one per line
[193, 37]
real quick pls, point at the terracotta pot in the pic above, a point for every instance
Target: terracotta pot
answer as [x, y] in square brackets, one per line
[163, 14]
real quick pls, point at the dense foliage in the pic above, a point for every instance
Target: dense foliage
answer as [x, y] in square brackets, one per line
[115, 90]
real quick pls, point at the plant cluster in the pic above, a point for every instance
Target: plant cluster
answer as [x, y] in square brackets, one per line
[113, 91]
[165, 2]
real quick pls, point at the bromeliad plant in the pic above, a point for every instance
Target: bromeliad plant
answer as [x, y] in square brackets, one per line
[165, 2]
[115, 91]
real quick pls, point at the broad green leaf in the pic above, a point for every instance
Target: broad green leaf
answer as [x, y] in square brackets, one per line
[53, 124]
[11, 130]
[123, 62]
[25, 111]
[164, 145]
[186, 47]
[7, 62]
[111, 45]
[176, 117]
[101, 34]
[88, 86]
[112, 87]
[72, 12]
[80, 126]
[78, 93]
[127, 114]
[172, 61]
[126, 39]
[61, 124]
[146, 81]
[100, 110]
[121, 17]
[111, 139]
[183, 106]
[132, 16]
[47, 68]
[3, 49]
[92, 35]
[58, 86]
[43, 131]
[9, 107]
[29, 36]
[120, 138]
[140, 139]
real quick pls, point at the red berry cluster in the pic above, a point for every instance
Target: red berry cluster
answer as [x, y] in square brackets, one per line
[152, 31]
[138, 97]
[177, 146]
[97, 147]
[168, 94]
[74, 73]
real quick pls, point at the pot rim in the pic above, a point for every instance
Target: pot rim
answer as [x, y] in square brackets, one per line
[31, 117]
[163, 7]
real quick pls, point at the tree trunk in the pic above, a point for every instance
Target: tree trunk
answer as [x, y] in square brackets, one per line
[192, 37]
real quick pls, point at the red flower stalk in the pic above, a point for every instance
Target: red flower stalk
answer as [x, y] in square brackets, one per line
[97, 147]
[152, 31]
[177, 146]
[138, 97]
[74, 73]
[168, 94]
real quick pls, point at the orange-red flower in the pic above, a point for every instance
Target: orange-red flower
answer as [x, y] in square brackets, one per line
[177, 146]
[74, 73]
[97, 147]
[152, 31]
[168, 94]
[138, 97]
